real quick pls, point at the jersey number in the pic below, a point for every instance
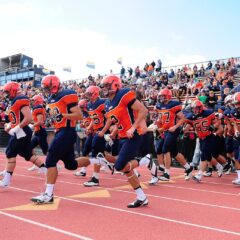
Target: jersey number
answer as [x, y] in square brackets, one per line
[165, 115]
[96, 120]
[201, 126]
[115, 121]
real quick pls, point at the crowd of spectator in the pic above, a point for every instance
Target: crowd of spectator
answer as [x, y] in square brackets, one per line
[210, 83]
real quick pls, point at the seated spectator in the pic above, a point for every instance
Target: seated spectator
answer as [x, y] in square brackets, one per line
[225, 92]
[191, 86]
[186, 105]
[152, 100]
[175, 87]
[182, 90]
[230, 82]
[215, 86]
[203, 97]
[171, 74]
[211, 100]
[221, 74]
[198, 87]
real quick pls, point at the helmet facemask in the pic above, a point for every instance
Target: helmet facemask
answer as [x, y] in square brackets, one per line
[107, 89]
[162, 99]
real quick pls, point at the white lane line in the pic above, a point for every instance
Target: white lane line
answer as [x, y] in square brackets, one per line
[162, 185]
[200, 190]
[124, 180]
[143, 214]
[151, 195]
[59, 230]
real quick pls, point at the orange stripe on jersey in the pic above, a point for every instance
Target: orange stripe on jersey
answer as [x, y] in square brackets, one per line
[97, 116]
[167, 117]
[120, 113]
[35, 113]
[14, 113]
[60, 104]
[128, 97]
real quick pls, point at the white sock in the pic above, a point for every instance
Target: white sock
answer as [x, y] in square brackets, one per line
[167, 171]
[135, 171]
[186, 166]
[94, 161]
[238, 173]
[7, 178]
[49, 189]
[218, 166]
[144, 161]
[96, 175]
[140, 194]
[83, 169]
[200, 173]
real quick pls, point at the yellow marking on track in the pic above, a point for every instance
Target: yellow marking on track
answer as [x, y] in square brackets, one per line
[96, 194]
[35, 207]
[181, 176]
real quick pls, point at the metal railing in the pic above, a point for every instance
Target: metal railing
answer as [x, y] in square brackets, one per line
[198, 64]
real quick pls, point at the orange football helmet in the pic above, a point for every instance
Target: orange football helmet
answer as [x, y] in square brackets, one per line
[51, 84]
[92, 93]
[111, 84]
[10, 89]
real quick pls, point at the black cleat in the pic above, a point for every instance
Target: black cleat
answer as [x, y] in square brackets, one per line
[43, 199]
[92, 182]
[165, 177]
[138, 203]
[188, 173]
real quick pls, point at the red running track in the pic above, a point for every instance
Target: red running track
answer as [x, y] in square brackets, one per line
[177, 210]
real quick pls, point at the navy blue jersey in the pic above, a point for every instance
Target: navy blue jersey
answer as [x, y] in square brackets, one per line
[202, 122]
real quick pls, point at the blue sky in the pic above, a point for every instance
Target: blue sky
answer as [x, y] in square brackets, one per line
[60, 33]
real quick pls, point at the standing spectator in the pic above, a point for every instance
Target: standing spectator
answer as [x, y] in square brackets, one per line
[122, 72]
[209, 66]
[195, 70]
[137, 72]
[150, 70]
[201, 72]
[217, 65]
[146, 67]
[159, 65]
[153, 64]
[171, 74]
[130, 71]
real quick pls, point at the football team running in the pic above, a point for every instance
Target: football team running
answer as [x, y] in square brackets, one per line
[117, 134]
